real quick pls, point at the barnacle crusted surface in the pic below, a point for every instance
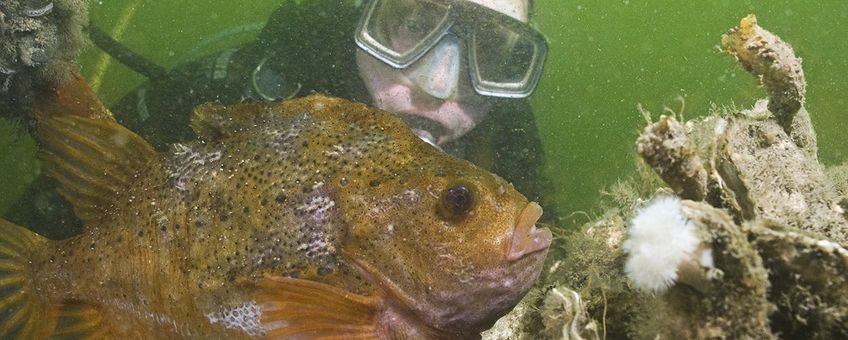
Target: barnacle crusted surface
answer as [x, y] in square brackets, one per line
[734, 303]
[776, 179]
[809, 279]
[38, 46]
[665, 147]
[773, 62]
[761, 162]
[775, 218]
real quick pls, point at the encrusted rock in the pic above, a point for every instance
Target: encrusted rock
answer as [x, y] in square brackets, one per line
[40, 41]
[665, 148]
[773, 218]
[773, 62]
[724, 294]
[760, 163]
[773, 178]
[809, 282]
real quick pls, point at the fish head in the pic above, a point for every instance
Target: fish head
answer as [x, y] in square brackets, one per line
[448, 241]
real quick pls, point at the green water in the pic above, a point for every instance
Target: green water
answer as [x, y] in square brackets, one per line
[605, 58]
[608, 57]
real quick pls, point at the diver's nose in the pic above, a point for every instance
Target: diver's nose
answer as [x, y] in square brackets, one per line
[437, 72]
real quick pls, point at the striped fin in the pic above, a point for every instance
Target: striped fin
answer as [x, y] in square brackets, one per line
[92, 160]
[23, 314]
[80, 321]
[301, 309]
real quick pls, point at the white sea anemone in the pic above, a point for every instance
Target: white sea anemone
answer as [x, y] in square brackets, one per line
[660, 239]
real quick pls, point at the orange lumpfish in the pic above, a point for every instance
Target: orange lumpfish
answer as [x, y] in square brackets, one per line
[311, 218]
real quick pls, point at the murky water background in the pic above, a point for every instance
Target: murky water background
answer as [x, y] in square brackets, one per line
[605, 58]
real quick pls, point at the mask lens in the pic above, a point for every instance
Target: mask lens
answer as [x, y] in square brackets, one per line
[402, 30]
[507, 63]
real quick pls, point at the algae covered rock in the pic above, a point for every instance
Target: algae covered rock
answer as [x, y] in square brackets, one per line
[775, 179]
[761, 162]
[787, 214]
[775, 65]
[809, 281]
[665, 147]
[754, 247]
[722, 290]
[40, 41]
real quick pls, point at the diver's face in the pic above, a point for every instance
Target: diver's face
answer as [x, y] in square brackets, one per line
[434, 95]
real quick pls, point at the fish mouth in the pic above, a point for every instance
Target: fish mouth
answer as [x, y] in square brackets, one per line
[526, 237]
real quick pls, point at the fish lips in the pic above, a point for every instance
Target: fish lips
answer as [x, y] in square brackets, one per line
[526, 238]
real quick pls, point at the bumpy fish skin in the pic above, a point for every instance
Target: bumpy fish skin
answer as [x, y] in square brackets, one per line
[317, 189]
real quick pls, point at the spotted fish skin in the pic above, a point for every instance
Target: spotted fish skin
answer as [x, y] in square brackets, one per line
[316, 190]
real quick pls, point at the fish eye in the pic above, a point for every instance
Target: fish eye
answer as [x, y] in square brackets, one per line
[458, 199]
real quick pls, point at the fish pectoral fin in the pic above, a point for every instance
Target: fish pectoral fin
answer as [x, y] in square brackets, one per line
[78, 320]
[70, 97]
[84, 149]
[93, 160]
[295, 308]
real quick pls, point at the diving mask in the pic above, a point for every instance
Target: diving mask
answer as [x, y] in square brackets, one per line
[505, 55]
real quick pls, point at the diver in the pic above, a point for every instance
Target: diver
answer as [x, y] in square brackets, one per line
[457, 72]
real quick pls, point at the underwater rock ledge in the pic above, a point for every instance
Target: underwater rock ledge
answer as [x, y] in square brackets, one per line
[764, 225]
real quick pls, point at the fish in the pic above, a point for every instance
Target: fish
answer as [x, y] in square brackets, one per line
[309, 218]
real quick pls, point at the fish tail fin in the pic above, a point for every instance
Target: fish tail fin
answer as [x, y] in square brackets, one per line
[24, 312]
